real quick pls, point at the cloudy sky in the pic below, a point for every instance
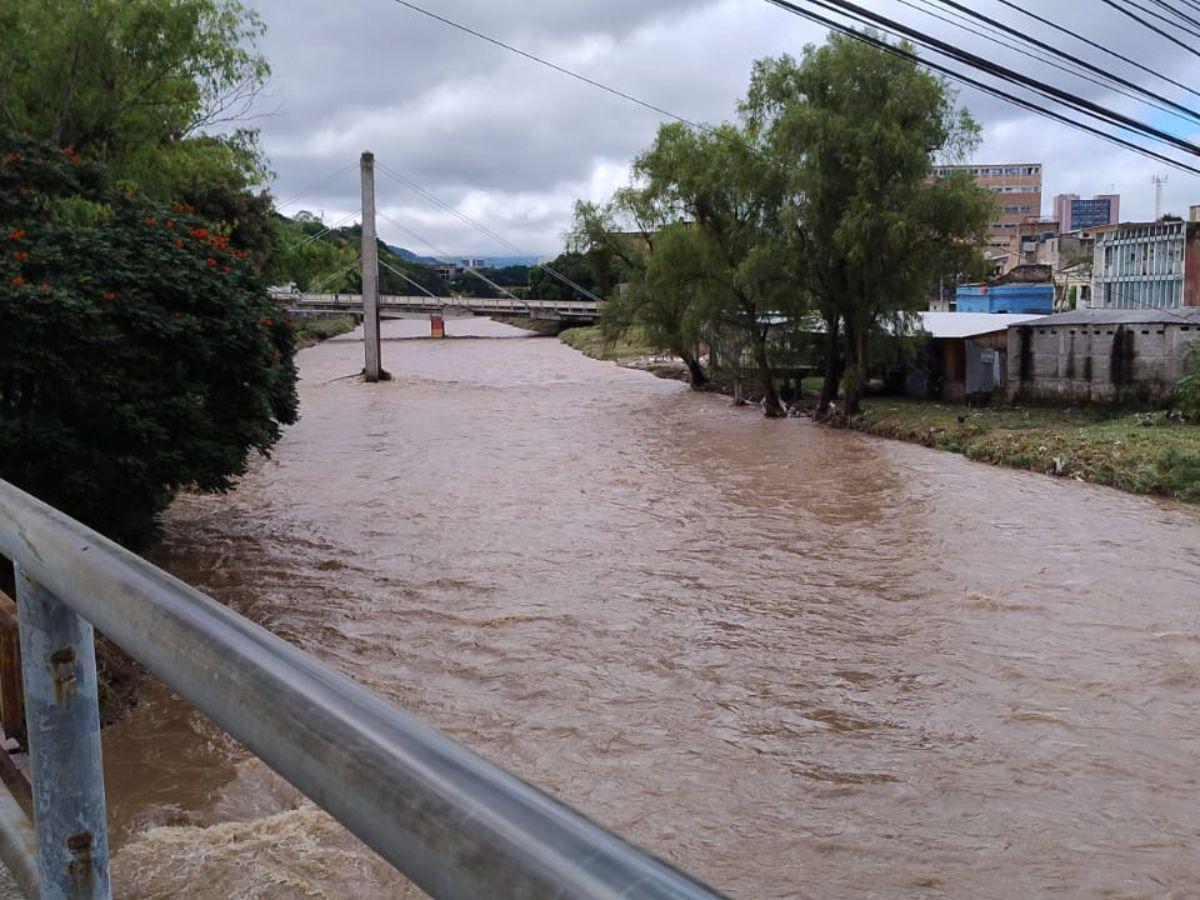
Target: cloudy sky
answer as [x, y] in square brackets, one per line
[513, 144]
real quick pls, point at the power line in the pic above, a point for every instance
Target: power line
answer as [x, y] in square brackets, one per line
[563, 70]
[1154, 28]
[1178, 13]
[1085, 40]
[1174, 23]
[979, 85]
[1049, 91]
[1040, 57]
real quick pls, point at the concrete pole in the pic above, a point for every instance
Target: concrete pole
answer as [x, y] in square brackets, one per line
[373, 371]
[62, 715]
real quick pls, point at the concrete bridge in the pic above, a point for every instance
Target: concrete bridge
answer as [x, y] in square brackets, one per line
[582, 311]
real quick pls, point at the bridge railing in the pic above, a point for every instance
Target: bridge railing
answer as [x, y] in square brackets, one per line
[500, 304]
[452, 822]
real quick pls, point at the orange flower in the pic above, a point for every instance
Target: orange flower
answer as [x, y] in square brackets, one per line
[110, 296]
[212, 262]
[45, 286]
[169, 224]
[18, 281]
[151, 220]
[225, 269]
[267, 322]
[17, 235]
[200, 233]
[20, 255]
[179, 243]
[14, 156]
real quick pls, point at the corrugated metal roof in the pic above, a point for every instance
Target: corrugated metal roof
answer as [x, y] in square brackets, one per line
[970, 324]
[1180, 315]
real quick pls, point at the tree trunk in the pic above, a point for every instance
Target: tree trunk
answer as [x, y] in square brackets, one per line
[772, 408]
[856, 370]
[696, 374]
[829, 386]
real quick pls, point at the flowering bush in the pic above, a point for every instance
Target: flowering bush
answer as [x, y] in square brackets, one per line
[139, 351]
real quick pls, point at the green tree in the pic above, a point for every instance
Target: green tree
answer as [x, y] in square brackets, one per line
[134, 84]
[856, 130]
[139, 352]
[733, 196]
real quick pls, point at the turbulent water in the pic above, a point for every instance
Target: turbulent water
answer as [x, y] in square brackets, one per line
[793, 661]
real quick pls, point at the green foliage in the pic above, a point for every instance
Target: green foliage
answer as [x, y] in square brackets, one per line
[314, 329]
[316, 258]
[857, 128]
[1186, 397]
[132, 83]
[116, 79]
[139, 352]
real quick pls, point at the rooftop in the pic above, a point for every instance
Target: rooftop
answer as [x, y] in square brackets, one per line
[1178, 315]
[970, 324]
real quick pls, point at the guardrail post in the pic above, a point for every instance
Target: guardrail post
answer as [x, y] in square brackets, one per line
[58, 656]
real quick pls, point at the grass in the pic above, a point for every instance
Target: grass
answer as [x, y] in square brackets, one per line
[590, 341]
[1143, 453]
[314, 329]
[537, 326]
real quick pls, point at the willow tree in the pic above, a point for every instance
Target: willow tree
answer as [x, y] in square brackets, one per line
[710, 202]
[654, 257]
[856, 129]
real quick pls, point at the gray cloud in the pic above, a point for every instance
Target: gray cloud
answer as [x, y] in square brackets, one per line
[514, 144]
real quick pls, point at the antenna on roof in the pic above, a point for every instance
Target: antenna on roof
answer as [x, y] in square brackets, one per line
[1158, 181]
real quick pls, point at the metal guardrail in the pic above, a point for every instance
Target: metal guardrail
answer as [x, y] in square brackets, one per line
[452, 822]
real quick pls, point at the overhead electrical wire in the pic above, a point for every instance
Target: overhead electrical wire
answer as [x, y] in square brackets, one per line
[982, 86]
[1177, 12]
[1022, 102]
[958, 22]
[1081, 104]
[1181, 23]
[1174, 40]
[1085, 40]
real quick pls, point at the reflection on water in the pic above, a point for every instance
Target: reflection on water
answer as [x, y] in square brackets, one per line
[794, 661]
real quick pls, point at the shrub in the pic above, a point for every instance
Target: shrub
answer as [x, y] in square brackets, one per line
[139, 351]
[1186, 397]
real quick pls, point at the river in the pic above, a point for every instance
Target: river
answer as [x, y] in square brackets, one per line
[794, 661]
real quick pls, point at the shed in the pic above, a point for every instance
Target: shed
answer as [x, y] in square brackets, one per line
[966, 356]
[1101, 354]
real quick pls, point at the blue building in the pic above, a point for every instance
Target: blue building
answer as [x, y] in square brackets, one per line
[1017, 299]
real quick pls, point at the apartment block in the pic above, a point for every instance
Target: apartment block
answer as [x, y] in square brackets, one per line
[1018, 190]
[1073, 212]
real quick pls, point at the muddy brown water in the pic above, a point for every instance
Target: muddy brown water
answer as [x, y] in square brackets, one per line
[796, 662]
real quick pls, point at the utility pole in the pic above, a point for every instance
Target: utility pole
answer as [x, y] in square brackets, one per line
[1159, 181]
[373, 371]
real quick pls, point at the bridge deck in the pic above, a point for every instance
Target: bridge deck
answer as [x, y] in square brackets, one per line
[588, 310]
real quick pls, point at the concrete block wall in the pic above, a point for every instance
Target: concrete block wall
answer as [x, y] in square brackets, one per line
[1097, 363]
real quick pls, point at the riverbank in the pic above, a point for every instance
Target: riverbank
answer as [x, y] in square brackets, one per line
[1138, 452]
[1142, 453]
[311, 330]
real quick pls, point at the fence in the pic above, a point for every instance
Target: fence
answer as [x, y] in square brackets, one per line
[452, 822]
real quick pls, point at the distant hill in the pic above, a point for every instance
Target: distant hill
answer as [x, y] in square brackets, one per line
[491, 262]
[413, 257]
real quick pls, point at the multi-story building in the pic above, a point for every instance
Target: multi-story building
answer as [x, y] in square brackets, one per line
[1073, 213]
[1147, 265]
[1018, 190]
